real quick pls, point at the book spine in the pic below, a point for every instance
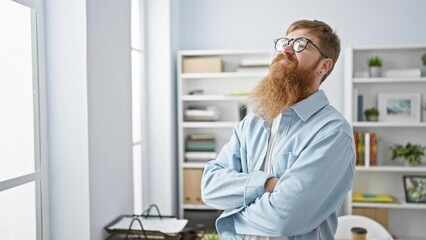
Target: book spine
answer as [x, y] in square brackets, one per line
[379, 152]
[356, 148]
[360, 108]
[361, 148]
[355, 103]
[200, 147]
[373, 149]
[367, 149]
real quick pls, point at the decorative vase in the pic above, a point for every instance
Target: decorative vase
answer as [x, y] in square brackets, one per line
[375, 71]
[372, 118]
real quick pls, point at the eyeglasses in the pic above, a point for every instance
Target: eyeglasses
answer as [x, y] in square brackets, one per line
[298, 44]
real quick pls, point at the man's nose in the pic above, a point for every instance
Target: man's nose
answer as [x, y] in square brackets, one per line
[288, 49]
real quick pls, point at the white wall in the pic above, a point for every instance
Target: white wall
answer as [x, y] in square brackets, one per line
[66, 73]
[89, 115]
[160, 174]
[245, 24]
[109, 112]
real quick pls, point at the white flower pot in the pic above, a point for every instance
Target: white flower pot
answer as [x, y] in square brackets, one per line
[374, 71]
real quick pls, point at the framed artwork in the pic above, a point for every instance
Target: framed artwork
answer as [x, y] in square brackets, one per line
[415, 189]
[399, 107]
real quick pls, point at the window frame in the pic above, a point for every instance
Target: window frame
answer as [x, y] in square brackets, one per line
[40, 174]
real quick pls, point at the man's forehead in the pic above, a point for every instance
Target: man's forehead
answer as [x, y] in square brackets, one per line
[302, 33]
[299, 33]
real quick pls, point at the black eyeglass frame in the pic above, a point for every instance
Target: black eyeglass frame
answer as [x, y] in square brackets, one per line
[292, 40]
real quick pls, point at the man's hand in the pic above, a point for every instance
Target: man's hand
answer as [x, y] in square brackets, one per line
[270, 184]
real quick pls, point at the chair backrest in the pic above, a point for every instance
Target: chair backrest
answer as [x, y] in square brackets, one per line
[374, 229]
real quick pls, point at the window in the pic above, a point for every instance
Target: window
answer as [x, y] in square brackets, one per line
[23, 155]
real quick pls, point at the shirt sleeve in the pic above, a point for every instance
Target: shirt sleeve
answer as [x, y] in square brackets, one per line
[225, 183]
[307, 193]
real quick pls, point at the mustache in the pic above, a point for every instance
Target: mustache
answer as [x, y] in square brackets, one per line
[283, 56]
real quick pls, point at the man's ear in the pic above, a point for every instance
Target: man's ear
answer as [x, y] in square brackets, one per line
[327, 65]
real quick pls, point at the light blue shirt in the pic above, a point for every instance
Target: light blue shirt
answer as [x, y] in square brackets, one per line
[314, 159]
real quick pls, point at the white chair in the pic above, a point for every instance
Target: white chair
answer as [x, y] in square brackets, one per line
[374, 229]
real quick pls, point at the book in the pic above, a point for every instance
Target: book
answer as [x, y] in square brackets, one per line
[373, 149]
[370, 197]
[200, 115]
[245, 62]
[411, 72]
[200, 141]
[356, 148]
[201, 136]
[360, 110]
[367, 149]
[355, 103]
[360, 149]
[200, 156]
[242, 93]
[200, 147]
[260, 69]
[379, 152]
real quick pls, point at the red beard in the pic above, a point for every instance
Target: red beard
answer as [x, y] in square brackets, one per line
[284, 86]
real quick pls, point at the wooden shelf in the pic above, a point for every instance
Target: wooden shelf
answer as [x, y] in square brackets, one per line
[420, 169]
[388, 124]
[197, 207]
[206, 76]
[214, 98]
[209, 124]
[390, 80]
[400, 204]
[194, 164]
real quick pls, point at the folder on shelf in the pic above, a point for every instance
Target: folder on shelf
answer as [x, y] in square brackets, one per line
[369, 197]
[146, 226]
[192, 186]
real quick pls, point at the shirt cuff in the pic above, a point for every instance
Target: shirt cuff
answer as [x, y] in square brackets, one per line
[255, 186]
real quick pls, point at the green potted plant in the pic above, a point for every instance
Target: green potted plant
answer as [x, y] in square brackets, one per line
[411, 153]
[424, 64]
[371, 114]
[375, 66]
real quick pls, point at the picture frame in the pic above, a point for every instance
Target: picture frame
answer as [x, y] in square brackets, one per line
[399, 107]
[415, 189]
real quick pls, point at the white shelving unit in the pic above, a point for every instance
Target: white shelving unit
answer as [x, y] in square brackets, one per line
[224, 90]
[405, 220]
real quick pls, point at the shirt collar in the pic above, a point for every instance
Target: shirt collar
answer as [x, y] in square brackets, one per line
[310, 105]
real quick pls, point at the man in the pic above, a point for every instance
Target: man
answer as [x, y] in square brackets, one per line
[288, 166]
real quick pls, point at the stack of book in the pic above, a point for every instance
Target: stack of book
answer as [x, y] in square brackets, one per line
[368, 149]
[200, 147]
[198, 113]
[254, 65]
